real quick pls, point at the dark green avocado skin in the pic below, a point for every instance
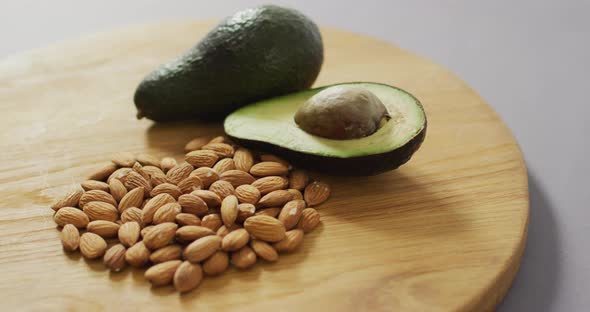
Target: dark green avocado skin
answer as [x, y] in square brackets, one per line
[257, 53]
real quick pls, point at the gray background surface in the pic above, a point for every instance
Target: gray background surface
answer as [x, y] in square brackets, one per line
[528, 59]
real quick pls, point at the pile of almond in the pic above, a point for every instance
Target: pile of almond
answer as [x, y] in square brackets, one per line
[223, 205]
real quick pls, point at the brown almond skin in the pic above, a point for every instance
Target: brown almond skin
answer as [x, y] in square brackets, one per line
[70, 215]
[206, 174]
[216, 264]
[132, 214]
[160, 235]
[190, 184]
[223, 230]
[187, 219]
[70, 237]
[201, 158]
[114, 258]
[202, 248]
[148, 160]
[103, 172]
[188, 276]
[90, 185]
[275, 198]
[245, 211]
[123, 159]
[309, 220]
[129, 233]
[298, 179]
[269, 168]
[170, 252]
[167, 213]
[70, 200]
[222, 188]
[295, 194]
[135, 179]
[148, 211]
[292, 240]
[193, 204]
[190, 233]
[118, 190]
[145, 230]
[271, 212]
[196, 143]
[243, 258]
[268, 184]
[167, 163]
[137, 255]
[212, 221]
[96, 210]
[167, 188]
[264, 250]
[221, 149]
[291, 213]
[229, 210]
[247, 194]
[316, 193]
[236, 177]
[119, 174]
[179, 173]
[133, 198]
[265, 228]
[224, 165]
[96, 195]
[92, 246]
[210, 198]
[270, 157]
[162, 274]
[235, 240]
[243, 159]
[105, 229]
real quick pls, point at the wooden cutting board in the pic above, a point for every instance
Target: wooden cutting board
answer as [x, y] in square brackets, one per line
[444, 233]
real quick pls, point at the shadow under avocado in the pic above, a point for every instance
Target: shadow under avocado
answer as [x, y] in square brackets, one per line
[171, 137]
[539, 271]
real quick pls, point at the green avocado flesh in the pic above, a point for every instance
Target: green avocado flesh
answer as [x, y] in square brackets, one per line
[269, 125]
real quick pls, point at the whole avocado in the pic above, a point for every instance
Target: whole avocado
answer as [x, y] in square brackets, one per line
[254, 54]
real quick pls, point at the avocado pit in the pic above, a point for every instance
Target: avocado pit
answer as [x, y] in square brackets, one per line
[342, 112]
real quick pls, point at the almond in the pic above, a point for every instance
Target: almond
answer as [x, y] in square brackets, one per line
[193, 204]
[223, 230]
[123, 159]
[148, 211]
[202, 248]
[190, 184]
[167, 188]
[92, 246]
[268, 184]
[235, 240]
[114, 258]
[219, 139]
[170, 252]
[291, 241]
[243, 159]
[206, 174]
[129, 233]
[132, 214]
[167, 213]
[271, 212]
[221, 149]
[167, 163]
[179, 173]
[187, 219]
[102, 172]
[132, 199]
[70, 200]
[212, 221]
[264, 250]
[298, 179]
[96, 195]
[269, 157]
[160, 235]
[210, 198]
[196, 143]
[190, 233]
[70, 215]
[265, 228]
[105, 229]
[137, 167]
[229, 210]
[236, 177]
[269, 168]
[70, 237]
[295, 194]
[156, 175]
[243, 258]
[222, 188]
[118, 190]
[148, 160]
[216, 264]
[291, 213]
[316, 193]
[135, 180]
[247, 194]
[275, 198]
[90, 185]
[309, 220]
[201, 158]
[101, 211]
[188, 276]
[137, 255]
[145, 230]
[162, 273]
[245, 211]
[119, 174]
[224, 165]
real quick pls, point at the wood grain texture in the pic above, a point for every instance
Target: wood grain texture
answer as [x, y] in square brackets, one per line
[443, 233]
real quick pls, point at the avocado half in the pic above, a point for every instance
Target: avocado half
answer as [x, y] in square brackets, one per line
[269, 126]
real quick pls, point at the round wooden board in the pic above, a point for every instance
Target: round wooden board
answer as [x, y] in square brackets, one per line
[445, 232]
